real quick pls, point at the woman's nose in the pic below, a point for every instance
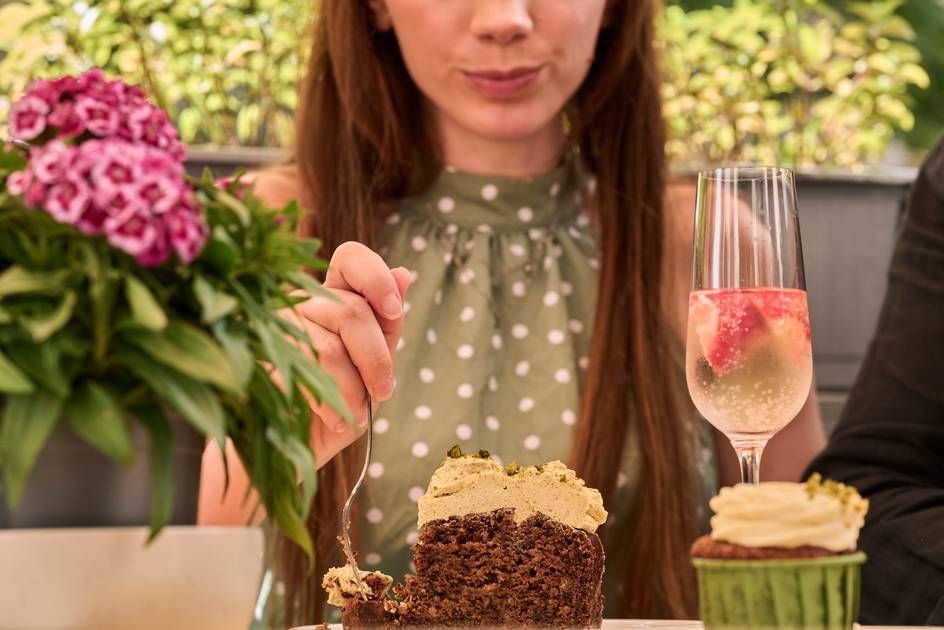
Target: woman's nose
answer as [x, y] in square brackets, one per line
[502, 21]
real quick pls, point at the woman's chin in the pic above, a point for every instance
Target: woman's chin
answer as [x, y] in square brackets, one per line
[511, 126]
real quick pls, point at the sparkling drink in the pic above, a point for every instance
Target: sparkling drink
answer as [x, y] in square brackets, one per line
[748, 361]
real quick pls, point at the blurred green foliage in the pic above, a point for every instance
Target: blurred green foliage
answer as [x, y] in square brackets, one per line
[927, 19]
[226, 70]
[788, 82]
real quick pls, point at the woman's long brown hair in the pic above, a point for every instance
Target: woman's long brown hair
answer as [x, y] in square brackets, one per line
[363, 142]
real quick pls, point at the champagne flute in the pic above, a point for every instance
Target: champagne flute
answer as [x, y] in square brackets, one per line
[748, 361]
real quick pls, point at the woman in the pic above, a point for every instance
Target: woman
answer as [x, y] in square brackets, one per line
[546, 311]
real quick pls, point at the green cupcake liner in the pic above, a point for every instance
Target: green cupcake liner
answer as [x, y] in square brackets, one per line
[800, 594]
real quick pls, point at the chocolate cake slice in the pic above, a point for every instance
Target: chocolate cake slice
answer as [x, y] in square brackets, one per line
[497, 548]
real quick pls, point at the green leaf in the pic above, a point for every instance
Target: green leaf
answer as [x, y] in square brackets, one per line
[189, 350]
[215, 304]
[102, 293]
[220, 250]
[304, 281]
[247, 121]
[42, 328]
[17, 280]
[282, 509]
[43, 363]
[144, 306]
[322, 385]
[12, 159]
[91, 264]
[28, 421]
[301, 457]
[236, 346]
[196, 402]
[915, 74]
[277, 350]
[97, 417]
[12, 378]
[161, 460]
[236, 206]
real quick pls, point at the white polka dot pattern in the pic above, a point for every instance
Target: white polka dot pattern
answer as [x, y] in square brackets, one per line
[466, 276]
[446, 205]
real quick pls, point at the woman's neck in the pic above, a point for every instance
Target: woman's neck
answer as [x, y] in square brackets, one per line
[517, 158]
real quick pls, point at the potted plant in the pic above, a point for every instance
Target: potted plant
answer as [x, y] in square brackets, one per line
[140, 309]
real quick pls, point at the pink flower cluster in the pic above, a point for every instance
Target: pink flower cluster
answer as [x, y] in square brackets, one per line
[133, 194]
[111, 165]
[71, 106]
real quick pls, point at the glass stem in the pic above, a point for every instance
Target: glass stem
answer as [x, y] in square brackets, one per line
[749, 455]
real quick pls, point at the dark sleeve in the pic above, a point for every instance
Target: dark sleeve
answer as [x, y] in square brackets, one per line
[889, 443]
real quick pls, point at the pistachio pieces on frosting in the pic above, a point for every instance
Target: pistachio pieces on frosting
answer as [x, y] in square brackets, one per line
[820, 514]
[341, 586]
[467, 484]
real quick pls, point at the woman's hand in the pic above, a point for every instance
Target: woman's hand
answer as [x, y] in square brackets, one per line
[356, 338]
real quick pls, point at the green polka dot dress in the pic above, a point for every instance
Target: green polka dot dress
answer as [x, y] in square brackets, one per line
[495, 344]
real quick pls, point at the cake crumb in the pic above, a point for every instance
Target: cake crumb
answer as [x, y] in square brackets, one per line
[341, 586]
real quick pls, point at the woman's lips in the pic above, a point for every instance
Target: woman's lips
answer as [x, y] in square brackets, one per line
[503, 84]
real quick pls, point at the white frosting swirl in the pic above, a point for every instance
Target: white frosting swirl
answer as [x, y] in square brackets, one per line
[788, 515]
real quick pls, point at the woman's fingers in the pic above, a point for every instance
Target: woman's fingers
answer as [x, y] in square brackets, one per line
[352, 321]
[355, 267]
[393, 327]
[336, 360]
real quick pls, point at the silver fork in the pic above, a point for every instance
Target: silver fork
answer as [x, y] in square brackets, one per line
[346, 513]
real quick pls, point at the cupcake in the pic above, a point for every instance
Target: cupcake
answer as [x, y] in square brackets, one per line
[781, 555]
